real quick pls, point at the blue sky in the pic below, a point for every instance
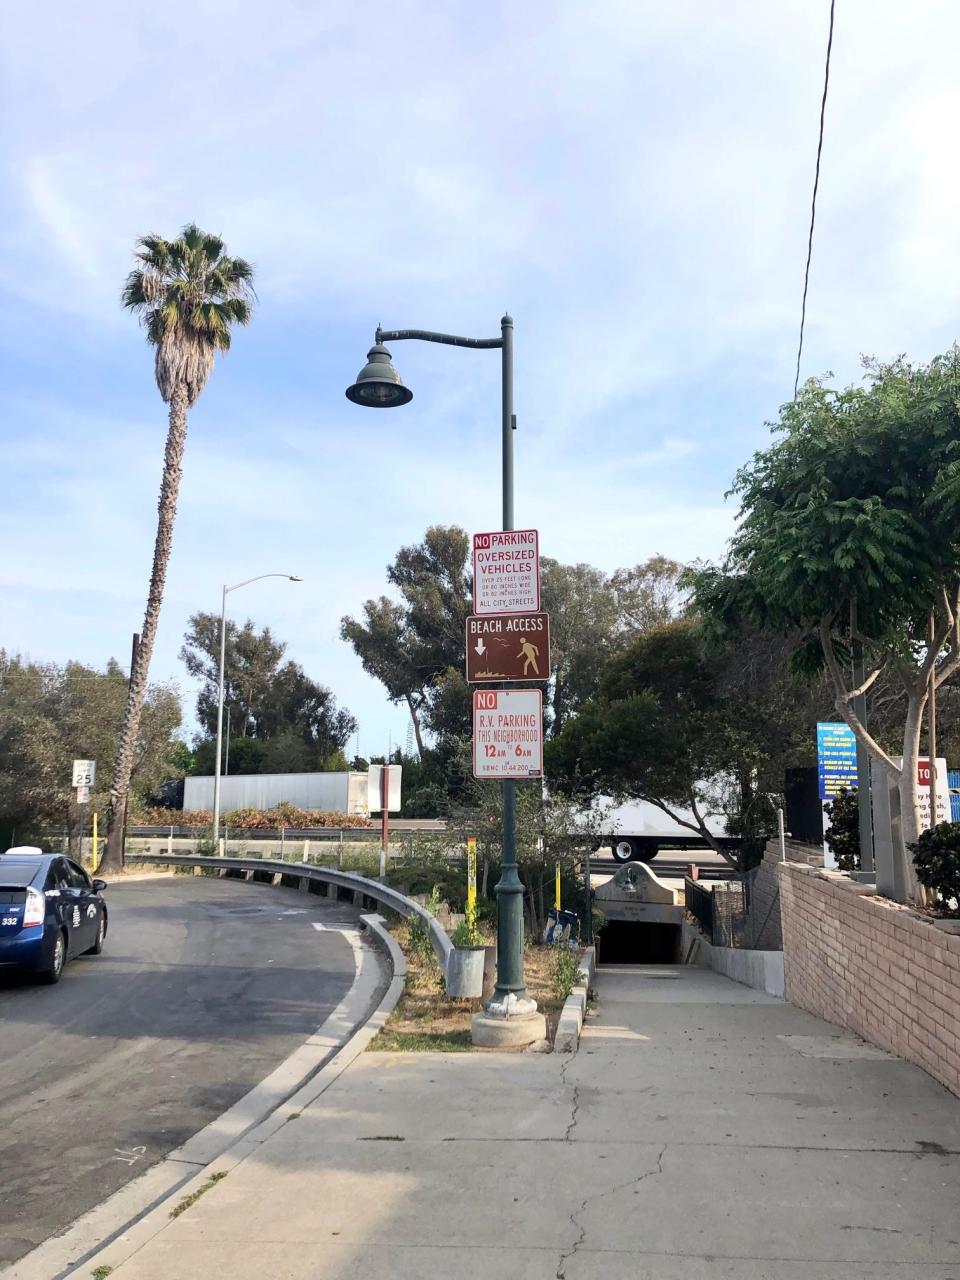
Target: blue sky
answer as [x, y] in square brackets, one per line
[630, 180]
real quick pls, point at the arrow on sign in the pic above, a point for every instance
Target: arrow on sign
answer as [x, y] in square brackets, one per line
[480, 646]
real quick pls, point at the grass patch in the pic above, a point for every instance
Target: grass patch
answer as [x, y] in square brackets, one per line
[101, 1273]
[390, 1041]
[187, 1201]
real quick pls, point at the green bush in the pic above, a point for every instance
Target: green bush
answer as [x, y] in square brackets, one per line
[566, 962]
[936, 858]
[466, 934]
[844, 834]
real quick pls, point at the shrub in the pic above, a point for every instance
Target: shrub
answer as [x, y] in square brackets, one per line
[283, 815]
[936, 857]
[417, 934]
[566, 962]
[466, 934]
[844, 834]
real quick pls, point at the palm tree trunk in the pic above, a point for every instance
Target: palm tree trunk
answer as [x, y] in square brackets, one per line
[130, 732]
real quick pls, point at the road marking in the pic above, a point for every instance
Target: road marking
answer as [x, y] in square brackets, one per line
[319, 926]
[131, 1156]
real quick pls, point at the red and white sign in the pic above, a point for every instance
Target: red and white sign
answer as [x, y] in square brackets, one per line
[943, 791]
[506, 572]
[507, 733]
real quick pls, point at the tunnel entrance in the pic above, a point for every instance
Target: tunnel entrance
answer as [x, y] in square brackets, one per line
[638, 942]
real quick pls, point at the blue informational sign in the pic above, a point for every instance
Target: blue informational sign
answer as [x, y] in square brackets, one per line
[836, 759]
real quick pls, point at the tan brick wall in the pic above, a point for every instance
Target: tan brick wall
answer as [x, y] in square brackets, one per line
[873, 966]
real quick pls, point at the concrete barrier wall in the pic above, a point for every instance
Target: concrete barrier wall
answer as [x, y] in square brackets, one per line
[762, 970]
[875, 967]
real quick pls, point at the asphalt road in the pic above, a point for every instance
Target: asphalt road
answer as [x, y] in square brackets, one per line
[204, 986]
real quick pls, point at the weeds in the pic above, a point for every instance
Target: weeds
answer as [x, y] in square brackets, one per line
[566, 963]
[187, 1201]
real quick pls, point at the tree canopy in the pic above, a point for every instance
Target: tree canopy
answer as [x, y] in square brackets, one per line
[280, 719]
[51, 715]
[849, 537]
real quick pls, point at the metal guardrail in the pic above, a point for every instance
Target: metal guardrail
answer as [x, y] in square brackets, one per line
[373, 889]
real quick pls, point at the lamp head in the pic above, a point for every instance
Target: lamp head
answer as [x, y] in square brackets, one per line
[378, 384]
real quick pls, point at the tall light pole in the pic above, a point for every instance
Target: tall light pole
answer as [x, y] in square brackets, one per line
[379, 386]
[223, 649]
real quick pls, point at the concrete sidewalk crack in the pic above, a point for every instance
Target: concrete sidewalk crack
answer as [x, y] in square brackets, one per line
[565, 1257]
[576, 1101]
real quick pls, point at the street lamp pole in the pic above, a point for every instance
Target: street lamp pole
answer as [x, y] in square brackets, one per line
[223, 648]
[379, 385]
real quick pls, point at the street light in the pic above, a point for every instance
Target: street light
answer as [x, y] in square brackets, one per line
[380, 386]
[223, 647]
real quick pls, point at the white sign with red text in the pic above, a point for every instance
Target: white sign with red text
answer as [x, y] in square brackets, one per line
[943, 791]
[506, 572]
[507, 733]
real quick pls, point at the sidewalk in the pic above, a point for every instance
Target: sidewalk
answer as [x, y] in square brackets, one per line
[703, 1130]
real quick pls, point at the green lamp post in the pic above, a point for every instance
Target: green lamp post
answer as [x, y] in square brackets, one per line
[380, 386]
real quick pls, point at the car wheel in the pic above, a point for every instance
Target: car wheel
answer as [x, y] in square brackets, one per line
[101, 935]
[623, 850]
[58, 957]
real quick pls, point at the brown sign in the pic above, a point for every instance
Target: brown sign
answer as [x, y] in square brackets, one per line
[508, 646]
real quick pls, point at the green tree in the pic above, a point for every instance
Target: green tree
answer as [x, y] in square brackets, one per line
[584, 625]
[412, 645]
[295, 721]
[188, 294]
[52, 715]
[656, 732]
[849, 536]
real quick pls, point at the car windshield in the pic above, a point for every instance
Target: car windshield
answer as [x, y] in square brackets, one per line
[16, 874]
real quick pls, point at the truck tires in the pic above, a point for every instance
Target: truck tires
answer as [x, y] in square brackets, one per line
[630, 849]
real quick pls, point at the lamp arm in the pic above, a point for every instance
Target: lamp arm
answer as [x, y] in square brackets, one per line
[246, 582]
[427, 335]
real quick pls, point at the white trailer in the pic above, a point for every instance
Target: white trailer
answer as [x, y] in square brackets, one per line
[637, 830]
[332, 792]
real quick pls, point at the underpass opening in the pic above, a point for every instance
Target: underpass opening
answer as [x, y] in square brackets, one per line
[639, 942]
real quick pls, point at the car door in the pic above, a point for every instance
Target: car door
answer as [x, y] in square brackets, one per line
[91, 906]
[70, 907]
[88, 903]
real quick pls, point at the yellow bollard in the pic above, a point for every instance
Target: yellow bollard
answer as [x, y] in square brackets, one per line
[95, 858]
[471, 882]
[557, 903]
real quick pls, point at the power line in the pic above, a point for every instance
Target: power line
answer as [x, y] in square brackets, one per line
[813, 202]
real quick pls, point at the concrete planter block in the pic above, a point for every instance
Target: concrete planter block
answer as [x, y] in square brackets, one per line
[465, 973]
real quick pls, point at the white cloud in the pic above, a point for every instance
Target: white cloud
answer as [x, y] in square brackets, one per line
[632, 180]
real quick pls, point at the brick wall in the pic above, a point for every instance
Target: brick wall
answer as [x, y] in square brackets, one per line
[763, 926]
[873, 966]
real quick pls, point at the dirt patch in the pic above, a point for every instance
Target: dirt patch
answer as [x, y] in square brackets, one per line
[426, 1020]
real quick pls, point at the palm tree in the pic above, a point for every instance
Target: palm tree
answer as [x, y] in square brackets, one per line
[188, 294]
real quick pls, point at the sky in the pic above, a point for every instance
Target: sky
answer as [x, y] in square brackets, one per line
[630, 180]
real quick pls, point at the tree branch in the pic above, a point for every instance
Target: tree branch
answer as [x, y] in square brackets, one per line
[699, 826]
[843, 704]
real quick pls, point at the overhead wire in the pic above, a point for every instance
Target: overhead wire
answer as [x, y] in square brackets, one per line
[813, 202]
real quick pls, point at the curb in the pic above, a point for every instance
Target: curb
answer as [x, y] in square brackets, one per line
[109, 1234]
[570, 1025]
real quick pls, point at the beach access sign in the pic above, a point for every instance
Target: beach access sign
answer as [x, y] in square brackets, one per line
[506, 572]
[836, 759]
[507, 733]
[508, 646]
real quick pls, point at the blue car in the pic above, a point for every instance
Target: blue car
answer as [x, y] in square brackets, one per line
[50, 911]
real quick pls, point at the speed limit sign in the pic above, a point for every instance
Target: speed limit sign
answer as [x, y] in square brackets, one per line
[84, 773]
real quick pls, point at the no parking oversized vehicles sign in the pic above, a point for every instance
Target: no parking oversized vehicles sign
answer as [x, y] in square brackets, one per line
[506, 571]
[507, 733]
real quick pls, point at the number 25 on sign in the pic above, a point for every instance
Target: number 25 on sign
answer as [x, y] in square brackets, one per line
[507, 733]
